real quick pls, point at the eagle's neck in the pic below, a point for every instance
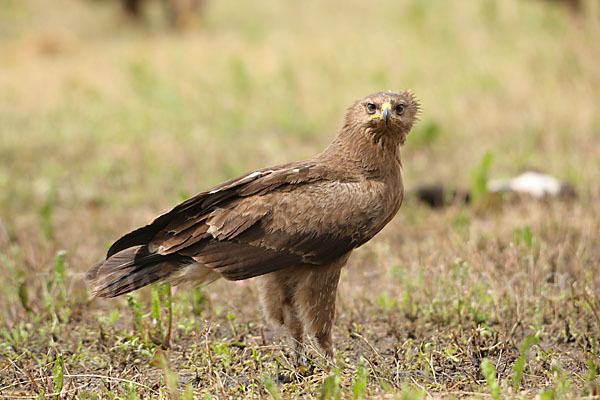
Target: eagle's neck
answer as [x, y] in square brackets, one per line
[376, 154]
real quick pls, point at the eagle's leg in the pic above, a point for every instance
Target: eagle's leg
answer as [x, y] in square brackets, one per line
[302, 299]
[295, 331]
[315, 301]
[276, 298]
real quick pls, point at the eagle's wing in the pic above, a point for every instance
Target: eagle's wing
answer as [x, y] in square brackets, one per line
[267, 220]
[203, 203]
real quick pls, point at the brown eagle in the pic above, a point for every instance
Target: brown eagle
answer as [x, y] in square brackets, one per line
[293, 225]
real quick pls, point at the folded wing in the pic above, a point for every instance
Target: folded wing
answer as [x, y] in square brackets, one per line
[255, 224]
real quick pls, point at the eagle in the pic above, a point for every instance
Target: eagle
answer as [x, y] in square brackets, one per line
[292, 226]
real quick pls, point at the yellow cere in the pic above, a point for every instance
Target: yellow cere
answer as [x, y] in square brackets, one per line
[383, 107]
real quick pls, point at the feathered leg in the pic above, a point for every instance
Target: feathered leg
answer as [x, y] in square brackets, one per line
[315, 301]
[302, 299]
[276, 298]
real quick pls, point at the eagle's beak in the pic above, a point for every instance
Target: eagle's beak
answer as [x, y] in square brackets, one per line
[386, 112]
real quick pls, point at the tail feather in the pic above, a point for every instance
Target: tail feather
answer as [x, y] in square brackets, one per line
[131, 269]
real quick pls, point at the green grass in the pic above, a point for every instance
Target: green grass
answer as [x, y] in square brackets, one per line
[105, 124]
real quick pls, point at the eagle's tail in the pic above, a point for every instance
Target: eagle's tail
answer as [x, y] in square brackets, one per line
[133, 268]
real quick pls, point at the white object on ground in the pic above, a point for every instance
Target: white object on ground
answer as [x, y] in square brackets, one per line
[533, 183]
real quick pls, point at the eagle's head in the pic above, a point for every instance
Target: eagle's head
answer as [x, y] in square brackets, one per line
[385, 115]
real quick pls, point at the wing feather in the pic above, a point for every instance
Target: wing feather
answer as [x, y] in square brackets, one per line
[246, 226]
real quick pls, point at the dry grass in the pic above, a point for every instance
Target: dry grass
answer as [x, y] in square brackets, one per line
[103, 125]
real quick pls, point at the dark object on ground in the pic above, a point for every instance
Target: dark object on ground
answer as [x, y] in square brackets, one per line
[180, 12]
[575, 5]
[437, 196]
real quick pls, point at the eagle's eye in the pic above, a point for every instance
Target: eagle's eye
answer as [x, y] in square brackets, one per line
[371, 108]
[399, 109]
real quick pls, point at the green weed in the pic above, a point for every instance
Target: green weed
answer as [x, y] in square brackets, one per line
[359, 386]
[45, 212]
[479, 178]
[18, 337]
[489, 371]
[58, 375]
[386, 302]
[135, 308]
[524, 237]
[411, 393]
[271, 388]
[519, 367]
[331, 388]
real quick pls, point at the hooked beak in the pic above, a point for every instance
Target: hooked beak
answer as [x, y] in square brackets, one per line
[386, 112]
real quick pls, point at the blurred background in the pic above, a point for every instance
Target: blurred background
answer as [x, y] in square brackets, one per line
[101, 104]
[112, 111]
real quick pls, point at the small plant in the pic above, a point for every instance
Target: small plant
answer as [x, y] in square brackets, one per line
[331, 388]
[189, 393]
[489, 371]
[231, 319]
[58, 375]
[135, 308]
[156, 310]
[359, 386]
[60, 264]
[562, 382]
[16, 338]
[113, 317]
[519, 367]
[450, 353]
[271, 388]
[548, 394]
[425, 356]
[386, 302]
[160, 336]
[523, 237]
[592, 377]
[479, 178]
[45, 213]
[170, 377]
[54, 292]
[410, 393]
[199, 300]
[461, 222]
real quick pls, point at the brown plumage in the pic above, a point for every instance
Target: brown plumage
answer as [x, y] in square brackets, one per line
[293, 225]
